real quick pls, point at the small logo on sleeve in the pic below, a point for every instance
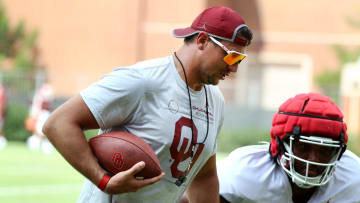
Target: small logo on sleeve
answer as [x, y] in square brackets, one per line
[173, 107]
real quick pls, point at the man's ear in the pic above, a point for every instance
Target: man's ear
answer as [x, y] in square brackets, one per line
[202, 40]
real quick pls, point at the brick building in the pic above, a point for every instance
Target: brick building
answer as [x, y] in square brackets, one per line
[81, 40]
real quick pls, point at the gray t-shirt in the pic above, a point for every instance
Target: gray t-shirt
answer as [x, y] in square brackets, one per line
[150, 100]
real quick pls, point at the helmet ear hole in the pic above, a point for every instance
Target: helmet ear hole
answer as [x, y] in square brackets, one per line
[297, 131]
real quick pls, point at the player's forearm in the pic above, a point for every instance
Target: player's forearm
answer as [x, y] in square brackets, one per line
[71, 143]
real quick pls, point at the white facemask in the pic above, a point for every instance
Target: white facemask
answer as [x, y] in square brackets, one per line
[287, 161]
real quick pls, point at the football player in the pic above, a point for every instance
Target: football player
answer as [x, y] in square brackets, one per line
[306, 160]
[39, 113]
[172, 102]
[3, 99]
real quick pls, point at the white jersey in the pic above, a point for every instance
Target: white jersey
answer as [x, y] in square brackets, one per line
[42, 100]
[150, 100]
[40, 121]
[248, 174]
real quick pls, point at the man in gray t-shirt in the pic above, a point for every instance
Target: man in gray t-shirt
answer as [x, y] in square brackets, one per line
[173, 103]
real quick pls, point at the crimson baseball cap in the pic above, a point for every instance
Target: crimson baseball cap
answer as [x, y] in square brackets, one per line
[219, 21]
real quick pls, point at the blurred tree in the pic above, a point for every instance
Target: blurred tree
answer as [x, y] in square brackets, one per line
[354, 21]
[329, 80]
[18, 61]
[17, 47]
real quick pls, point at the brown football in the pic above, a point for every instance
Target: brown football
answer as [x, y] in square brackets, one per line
[118, 151]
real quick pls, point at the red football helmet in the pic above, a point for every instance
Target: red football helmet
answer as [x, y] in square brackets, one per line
[311, 119]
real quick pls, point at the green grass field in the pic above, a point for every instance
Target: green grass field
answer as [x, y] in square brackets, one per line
[34, 177]
[27, 176]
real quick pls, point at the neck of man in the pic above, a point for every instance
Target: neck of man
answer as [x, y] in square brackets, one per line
[301, 195]
[187, 56]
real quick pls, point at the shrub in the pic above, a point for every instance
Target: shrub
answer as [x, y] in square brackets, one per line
[231, 139]
[354, 143]
[14, 122]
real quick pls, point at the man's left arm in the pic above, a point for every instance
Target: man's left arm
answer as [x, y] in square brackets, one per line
[205, 186]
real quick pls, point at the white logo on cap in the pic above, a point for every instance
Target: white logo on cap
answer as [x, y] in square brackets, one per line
[204, 26]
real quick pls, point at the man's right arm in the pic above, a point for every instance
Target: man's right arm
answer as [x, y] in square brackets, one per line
[64, 129]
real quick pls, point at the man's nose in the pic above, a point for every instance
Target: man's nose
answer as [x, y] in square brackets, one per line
[233, 68]
[313, 156]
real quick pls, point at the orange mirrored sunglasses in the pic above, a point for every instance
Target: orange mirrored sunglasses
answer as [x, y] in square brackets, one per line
[232, 56]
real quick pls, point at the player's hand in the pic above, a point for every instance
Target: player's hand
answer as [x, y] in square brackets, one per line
[125, 181]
